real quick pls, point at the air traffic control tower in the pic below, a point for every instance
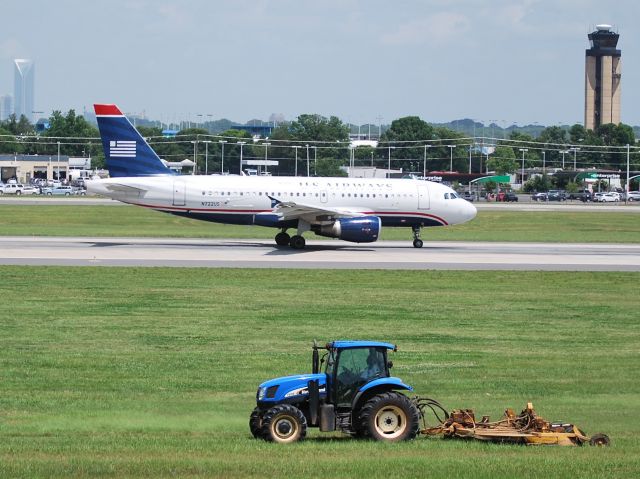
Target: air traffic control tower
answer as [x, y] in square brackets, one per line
[602, 79]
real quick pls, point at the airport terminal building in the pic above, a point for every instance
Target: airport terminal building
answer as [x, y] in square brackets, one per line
[49, 167]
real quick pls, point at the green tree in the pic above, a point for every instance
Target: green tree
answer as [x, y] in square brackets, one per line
[76, 137]
[8, 142]
[503, 161]
[405, 135]
[538, 183]
[18, 126]
[329, 167]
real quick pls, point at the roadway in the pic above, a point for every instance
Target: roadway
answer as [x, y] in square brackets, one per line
[319, 254]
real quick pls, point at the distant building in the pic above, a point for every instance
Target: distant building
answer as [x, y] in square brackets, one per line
[6, 107]
[23, 88]
[50, 167]
[602, 79]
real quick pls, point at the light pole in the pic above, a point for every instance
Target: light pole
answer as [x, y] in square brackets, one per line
[575, 155]
[389, 167]
[523, 150]
[58, 167]
[544, 161]
[626, 197]
[222, 142]
[206, 156]
[451, 147]
[424, 166]
[470, 148]
[266, 150]
[296, 164]
[315, 160]
[563, 153]
[195, 155]
[307, 159]
[241, 143]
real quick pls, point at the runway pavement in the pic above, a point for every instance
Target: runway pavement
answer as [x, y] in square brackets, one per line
[318, 254]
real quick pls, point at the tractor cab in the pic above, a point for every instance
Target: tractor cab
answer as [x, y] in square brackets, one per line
[353, 364]
[349, 389]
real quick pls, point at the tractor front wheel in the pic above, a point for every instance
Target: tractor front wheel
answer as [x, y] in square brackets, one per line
[284, 424]
[390, 417]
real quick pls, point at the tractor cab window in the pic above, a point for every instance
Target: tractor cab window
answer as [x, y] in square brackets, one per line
[357, 367]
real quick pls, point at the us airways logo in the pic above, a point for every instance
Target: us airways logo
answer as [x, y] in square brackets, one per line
[122, 148]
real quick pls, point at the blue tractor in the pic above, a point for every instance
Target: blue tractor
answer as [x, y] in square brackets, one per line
[355, 394]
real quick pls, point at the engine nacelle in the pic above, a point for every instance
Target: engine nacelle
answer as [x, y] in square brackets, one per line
[362, 229]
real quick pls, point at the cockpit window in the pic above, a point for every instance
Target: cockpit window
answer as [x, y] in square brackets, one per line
[446, 196]
[453, 195]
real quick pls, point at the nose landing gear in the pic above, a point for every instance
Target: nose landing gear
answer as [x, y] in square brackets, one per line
[417, 242]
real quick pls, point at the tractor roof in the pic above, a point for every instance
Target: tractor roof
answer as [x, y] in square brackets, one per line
[344, 344]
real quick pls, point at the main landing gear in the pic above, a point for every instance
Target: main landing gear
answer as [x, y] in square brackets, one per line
[417, 242]
[295, 241]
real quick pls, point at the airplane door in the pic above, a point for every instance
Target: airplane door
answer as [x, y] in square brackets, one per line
[179, 193]
[423, 196]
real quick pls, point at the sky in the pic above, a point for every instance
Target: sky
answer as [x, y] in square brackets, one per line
[365, 61]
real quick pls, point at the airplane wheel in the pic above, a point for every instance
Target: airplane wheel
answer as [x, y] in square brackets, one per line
[282, 239]
[417, 243]
[297, 242]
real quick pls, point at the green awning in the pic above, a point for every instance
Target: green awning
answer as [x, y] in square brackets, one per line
[493, 179]
[587, 174]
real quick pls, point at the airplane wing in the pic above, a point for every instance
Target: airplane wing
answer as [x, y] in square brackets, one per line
[289, 210]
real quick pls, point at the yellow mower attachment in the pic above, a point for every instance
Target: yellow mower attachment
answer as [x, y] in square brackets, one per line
[524, 428]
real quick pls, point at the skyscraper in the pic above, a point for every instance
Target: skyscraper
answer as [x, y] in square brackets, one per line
[6, 107]
[23, 88]
[602, 79]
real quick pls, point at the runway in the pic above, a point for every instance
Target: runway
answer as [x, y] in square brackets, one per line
[319, 254]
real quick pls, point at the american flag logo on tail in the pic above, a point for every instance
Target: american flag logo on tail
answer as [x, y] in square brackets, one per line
[122, 148]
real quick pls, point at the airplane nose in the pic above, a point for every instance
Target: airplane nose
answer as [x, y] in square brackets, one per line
[469, 211]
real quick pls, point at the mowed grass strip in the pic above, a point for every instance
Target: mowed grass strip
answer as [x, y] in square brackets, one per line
[489, 225]
[152, 372]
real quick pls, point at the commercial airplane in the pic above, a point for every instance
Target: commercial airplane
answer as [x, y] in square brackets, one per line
[351, 209]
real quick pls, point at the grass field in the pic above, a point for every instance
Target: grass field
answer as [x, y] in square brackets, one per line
[133, 372]
[489, 225]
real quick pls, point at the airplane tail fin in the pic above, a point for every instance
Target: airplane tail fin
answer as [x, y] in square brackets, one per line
[127, 153]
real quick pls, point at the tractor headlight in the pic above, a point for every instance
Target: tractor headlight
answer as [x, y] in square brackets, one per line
[261, 393]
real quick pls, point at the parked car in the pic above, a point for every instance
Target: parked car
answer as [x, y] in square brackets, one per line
[507, 196]
[611, 197]
[582, 195]
[633, 196]
[556, 195]
[58, 190]
[539, 197]
[467, 195]
[30, 190]
[12, 188]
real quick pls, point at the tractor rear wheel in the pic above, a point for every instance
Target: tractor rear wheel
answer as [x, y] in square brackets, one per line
[390, 417]
[255, 423]
[284, 424]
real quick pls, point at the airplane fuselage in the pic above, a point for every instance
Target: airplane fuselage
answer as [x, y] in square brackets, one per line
[250, 199]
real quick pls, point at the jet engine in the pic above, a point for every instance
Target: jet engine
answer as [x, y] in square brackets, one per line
[362, 229]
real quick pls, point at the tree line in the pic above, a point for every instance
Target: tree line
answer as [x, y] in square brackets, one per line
[322, 145]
